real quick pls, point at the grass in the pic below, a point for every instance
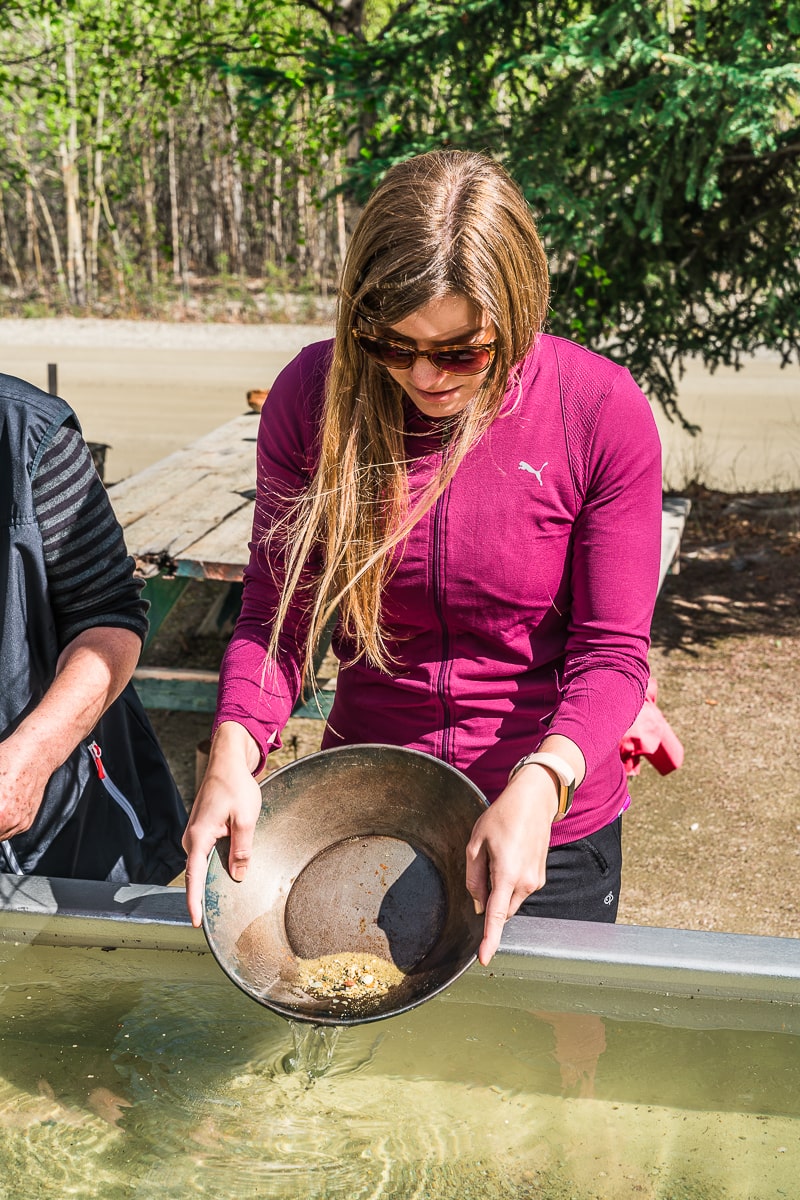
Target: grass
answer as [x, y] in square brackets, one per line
[225, 298]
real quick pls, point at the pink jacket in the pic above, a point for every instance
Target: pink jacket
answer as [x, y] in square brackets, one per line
[516, 608]
[651, 737]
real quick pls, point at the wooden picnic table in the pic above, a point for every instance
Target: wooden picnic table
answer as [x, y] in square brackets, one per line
[190, 514]
[189, 517]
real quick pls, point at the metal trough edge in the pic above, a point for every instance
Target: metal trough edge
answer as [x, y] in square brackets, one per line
[678, 962]
[642, 958]
[78, 912]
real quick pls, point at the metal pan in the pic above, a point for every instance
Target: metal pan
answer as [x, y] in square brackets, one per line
[357, 874]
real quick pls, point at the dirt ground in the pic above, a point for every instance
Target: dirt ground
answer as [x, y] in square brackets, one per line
[716, 844]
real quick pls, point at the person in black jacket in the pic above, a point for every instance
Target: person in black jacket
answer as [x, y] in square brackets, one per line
[85, 790]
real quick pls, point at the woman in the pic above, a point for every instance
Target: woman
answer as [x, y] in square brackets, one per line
[464, 490]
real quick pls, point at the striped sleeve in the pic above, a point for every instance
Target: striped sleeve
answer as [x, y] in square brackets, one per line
[89, 571]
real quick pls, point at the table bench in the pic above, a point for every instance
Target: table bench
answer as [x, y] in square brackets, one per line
[189, 517]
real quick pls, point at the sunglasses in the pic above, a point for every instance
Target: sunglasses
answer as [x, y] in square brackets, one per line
[465, 359]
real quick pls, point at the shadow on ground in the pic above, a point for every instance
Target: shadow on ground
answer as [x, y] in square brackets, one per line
[740, 571]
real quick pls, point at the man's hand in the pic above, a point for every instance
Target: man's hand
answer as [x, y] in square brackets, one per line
[91, 672]
[23, 778]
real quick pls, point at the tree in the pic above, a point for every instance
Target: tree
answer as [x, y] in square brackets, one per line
[659, 145]
[130, 161]
[658, 142]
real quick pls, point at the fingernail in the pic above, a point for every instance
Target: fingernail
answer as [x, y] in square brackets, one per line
[478, 907]
[237, 874]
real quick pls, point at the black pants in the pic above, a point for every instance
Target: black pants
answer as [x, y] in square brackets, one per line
[583, 879]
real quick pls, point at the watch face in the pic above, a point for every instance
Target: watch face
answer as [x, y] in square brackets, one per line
[567, 793]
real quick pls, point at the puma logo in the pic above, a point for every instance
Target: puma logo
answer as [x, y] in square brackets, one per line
[523, 466]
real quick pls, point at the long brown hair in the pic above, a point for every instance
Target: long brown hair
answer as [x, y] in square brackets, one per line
[449, 222]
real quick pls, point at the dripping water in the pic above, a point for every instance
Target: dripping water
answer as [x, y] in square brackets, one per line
[312, 1049]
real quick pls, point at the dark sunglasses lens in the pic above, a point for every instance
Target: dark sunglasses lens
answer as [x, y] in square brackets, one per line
[389, 354]
[466, 360]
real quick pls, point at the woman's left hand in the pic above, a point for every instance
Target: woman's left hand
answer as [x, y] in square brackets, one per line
[507, 853]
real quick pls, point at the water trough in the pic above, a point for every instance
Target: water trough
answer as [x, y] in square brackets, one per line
[590, 1062]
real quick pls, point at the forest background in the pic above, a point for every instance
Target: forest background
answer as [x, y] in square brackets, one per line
[207, 158]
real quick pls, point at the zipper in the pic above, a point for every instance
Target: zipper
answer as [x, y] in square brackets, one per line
[438, 604]
[7, 850]
[116, 795]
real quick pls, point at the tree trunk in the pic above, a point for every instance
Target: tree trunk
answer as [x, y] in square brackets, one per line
[301, 238]
[187, 236]
[195, 249]
[173, 201]
[256, 197]
[236, 191]
[315, 238]
[218, 224]
[149, 197]
[339, 207]
[119, 252]
[346, 17]
[33, 256]
[5, 243]
[277, 213]
[33, 194]
[232, 221]
[95, 163]
[76, 267]
[58, 261]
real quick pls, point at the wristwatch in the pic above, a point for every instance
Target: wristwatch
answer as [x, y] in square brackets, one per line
[563, 773]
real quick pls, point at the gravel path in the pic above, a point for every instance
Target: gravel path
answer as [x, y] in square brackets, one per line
[93, 333]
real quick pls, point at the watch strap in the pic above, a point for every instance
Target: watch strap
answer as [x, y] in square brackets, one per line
[562, 771]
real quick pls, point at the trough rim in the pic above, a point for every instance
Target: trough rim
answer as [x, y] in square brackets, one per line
[687, 962]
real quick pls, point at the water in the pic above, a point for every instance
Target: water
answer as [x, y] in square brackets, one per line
[147, 1074]
[312, 1052]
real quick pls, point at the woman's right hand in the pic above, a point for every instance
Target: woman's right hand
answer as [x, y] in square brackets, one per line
[227, 805]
